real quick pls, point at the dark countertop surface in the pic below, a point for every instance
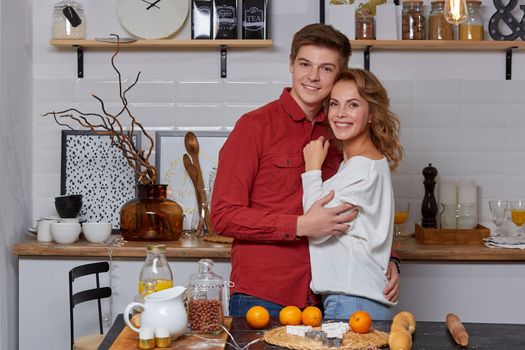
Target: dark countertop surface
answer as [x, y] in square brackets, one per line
[428, 335]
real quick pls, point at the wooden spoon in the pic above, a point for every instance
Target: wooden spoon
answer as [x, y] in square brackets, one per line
[192, 146]
[192, 172]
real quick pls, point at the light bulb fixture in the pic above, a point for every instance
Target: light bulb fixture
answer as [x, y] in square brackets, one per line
[455, 11]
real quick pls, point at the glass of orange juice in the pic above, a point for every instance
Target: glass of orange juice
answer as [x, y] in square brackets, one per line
[401, 212]
[517, 212]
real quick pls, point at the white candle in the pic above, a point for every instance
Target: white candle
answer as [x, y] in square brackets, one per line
[447, 192]
[467, 192]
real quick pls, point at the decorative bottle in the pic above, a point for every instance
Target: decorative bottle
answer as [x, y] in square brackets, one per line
[151, 216]
[68, 20]
[155, 274]
[429, 208]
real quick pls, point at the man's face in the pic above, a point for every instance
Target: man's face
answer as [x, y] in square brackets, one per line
[314, 71]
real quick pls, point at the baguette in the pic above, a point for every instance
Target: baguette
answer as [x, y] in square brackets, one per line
[457, 330]
[403, 326]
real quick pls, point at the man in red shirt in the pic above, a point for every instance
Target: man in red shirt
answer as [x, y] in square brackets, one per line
[257, 195]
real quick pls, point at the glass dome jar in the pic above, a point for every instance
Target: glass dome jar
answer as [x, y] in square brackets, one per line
[472, 28]
[413, 22]
[205, 299]
[438, 27]
[68, 20]
[155, 274]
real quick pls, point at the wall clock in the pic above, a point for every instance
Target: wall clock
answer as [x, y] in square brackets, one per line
[152, 19]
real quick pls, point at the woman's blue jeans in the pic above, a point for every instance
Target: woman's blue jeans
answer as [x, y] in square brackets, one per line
[341, 307]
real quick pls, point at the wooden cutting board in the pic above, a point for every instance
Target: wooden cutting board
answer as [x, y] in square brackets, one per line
[127, 340]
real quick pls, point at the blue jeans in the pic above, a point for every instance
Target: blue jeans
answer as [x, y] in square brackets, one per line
[341, 307]
[241, 303]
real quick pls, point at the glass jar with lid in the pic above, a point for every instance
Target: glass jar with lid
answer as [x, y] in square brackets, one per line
[438, 27]
[205, 299]
[68, 20]
[413, 20]
[155, 274]
[364, 25]
[472, 28]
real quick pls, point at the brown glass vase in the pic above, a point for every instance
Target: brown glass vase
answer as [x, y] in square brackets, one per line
[151, 216]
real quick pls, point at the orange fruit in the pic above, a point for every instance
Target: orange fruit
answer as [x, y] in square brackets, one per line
[258, 317]
[290, 315]
[360, 322]
[312, 316]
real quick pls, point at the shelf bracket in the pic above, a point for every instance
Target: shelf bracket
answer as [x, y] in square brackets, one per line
[224, 56]
[80, 61]
[508, 63]
[366, 57]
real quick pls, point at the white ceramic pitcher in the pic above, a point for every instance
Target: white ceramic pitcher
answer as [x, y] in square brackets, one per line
[162, 309]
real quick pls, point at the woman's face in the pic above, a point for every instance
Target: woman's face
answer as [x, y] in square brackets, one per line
[348, 113]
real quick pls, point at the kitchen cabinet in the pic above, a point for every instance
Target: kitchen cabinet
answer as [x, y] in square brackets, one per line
[159, 44]
[506, 47]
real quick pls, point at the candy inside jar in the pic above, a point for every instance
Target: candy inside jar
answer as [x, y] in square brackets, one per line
[205, 300]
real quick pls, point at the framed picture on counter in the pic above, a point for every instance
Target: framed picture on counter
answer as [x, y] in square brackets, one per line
[169, 150]
[93, 167]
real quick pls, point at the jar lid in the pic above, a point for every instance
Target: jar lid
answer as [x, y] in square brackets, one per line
[438, 2]
[157, 248]
[413, 2]
[474, 2]
[206, 277]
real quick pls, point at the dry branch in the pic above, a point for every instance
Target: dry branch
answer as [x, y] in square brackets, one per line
[106, 123]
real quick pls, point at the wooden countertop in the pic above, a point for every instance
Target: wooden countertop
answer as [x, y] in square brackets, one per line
[408, 250]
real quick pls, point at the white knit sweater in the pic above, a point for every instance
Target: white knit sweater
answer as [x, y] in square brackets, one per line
[354, 263]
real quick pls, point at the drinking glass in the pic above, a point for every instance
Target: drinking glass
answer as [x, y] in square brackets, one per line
[517, 211]
[498, 211]
[402, 208]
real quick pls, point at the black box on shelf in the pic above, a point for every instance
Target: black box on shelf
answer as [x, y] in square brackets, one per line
[255, 19]
[225, 12]
[202, 19]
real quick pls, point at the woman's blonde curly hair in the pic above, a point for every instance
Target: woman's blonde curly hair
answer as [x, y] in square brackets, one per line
[384, 126]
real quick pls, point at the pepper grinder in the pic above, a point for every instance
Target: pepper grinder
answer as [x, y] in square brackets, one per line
[429, 206]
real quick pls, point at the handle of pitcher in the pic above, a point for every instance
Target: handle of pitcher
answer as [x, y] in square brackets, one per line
[127, 311]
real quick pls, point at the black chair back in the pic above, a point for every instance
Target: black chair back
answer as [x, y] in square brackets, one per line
[89, 294]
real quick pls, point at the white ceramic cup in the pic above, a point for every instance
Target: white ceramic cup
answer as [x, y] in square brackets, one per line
[44, 230]
[65, 232]
[96, 232]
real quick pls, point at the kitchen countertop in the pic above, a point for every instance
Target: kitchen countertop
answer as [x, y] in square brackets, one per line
[428, 335]
[408, 250]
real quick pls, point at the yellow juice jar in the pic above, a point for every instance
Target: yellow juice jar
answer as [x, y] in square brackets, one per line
[155, 274]
[472, 28]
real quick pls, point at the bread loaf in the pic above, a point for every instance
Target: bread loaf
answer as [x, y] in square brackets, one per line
[403, 326]
[457, 330]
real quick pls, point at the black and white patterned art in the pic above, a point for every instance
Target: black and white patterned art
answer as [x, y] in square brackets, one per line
[91, 166]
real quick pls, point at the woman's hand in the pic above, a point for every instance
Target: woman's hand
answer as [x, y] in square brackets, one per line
[315, 153]
[391, 290]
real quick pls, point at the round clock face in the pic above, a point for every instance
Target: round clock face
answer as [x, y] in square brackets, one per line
[152, 19]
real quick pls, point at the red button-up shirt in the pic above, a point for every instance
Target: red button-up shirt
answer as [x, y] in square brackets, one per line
[257, 197]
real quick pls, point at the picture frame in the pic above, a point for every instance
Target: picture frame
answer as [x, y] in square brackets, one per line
[169, 151]
[93, 167]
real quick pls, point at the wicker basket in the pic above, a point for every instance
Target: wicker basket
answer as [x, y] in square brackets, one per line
[375, 339]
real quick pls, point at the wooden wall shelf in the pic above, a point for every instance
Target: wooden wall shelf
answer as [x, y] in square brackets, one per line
[438, 45]
[159, 44]
[162, 44]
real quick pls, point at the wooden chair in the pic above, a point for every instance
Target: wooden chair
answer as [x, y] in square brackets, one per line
[87, 342]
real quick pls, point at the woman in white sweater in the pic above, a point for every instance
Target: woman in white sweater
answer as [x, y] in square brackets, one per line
[349, 270]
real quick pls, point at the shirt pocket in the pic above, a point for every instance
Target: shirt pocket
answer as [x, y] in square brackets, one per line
[286, 173]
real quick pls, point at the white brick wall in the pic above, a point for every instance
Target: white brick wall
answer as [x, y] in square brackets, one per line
[456, 109]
